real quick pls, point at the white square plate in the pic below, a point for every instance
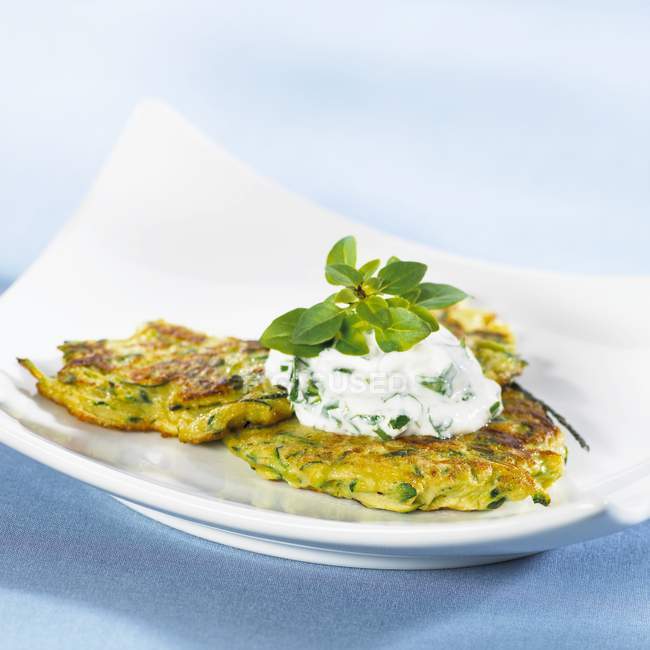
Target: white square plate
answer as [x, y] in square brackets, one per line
[175, 228]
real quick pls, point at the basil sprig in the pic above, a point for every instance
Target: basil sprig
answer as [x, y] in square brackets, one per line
[393, 302]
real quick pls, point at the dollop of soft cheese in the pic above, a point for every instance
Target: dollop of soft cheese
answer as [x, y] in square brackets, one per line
[436, 388]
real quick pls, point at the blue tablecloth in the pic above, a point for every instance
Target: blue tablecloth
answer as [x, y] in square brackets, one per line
[512, 132]
[79, 570]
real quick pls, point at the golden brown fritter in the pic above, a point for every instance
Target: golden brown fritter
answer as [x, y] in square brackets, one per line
[516, 456]
[166, 378]
[183, 383]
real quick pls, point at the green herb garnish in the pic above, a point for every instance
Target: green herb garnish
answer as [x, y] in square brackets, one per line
[328, 407]
[406, 492]
[295, 382]
[442, 384]
[391, 301]
[382, 434]
[399, 422]
[495, 409]
[312, 393]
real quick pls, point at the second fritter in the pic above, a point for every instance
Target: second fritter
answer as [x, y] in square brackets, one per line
[515, 456]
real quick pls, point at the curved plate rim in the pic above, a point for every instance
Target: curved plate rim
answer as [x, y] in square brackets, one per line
[247, 518]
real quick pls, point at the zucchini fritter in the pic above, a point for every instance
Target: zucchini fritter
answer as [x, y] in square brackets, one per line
[166, 378]
[183, 383]
[515, 456]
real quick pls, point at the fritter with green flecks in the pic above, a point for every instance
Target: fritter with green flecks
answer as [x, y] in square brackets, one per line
[166, 378]
[518, 455]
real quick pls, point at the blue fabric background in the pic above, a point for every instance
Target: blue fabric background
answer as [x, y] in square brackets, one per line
[79, 570]
[508, 131]
[499, 129]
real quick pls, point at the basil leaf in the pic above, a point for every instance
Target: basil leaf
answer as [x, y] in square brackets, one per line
[281, 328]
[437, 296]
[398, 301]
[369, 268]
[426, 316]
[343, 274]
[400, 318]
[412, 295]
[398, 277]
[351, 338]
[278, 335]
[343, 252]
[374, 310]
[317, 324]
[405, 330]
[346, 295]
[300, 350]
[371, 285]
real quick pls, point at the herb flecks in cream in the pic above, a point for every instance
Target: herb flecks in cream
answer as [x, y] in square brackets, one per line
[435, 388]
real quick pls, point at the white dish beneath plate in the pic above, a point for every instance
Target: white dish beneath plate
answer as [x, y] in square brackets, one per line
[176, 228]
